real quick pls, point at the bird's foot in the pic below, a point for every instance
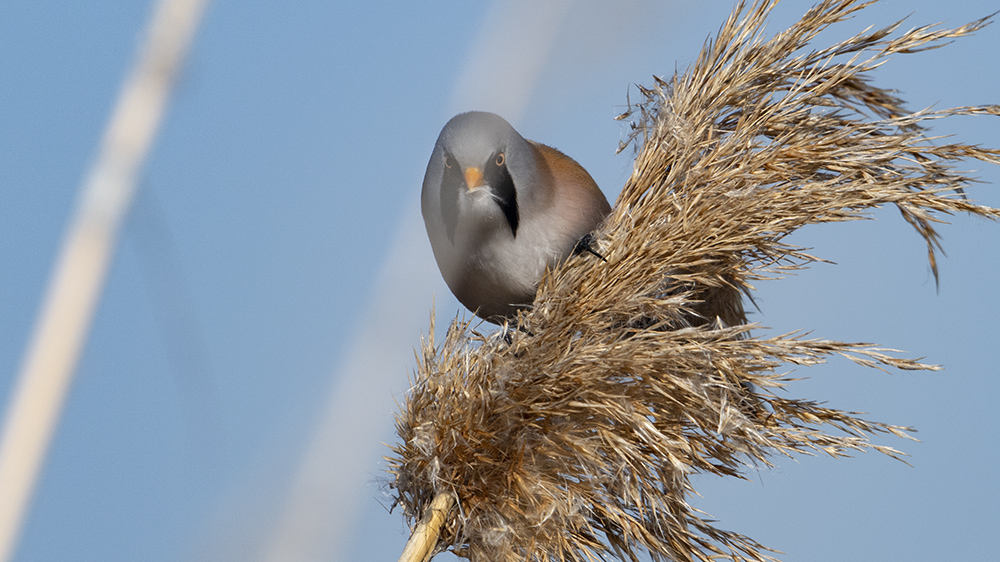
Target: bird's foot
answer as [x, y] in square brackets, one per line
[586, 244]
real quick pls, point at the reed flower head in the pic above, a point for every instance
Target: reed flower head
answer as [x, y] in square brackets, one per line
[575, 436]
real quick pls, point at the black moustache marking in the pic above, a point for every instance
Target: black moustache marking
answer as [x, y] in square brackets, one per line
[451, 183]
[502, 186]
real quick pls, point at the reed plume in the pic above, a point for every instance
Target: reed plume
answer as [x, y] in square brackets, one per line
[575, 435]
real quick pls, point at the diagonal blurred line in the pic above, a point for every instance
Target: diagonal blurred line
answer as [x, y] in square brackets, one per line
[181, 331]
[330, 482]
[82, 264]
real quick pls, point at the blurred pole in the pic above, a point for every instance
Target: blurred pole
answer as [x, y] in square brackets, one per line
[81, 267]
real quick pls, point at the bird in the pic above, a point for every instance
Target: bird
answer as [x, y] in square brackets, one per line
[500, 210]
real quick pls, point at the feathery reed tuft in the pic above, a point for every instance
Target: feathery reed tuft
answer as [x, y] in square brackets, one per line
[574, 437]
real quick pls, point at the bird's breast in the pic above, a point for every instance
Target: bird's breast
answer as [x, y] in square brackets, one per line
[495, 272]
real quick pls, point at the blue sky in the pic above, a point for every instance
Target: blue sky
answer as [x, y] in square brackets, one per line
[273, 277]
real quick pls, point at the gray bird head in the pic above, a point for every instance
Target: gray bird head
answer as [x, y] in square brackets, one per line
[477, 174]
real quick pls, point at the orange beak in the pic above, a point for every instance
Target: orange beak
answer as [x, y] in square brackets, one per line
[473, 178]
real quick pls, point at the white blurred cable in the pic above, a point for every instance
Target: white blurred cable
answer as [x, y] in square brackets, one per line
[499, 75]
[81, 267]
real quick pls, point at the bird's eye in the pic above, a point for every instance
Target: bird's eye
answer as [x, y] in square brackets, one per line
[448, 162]
[500, 159]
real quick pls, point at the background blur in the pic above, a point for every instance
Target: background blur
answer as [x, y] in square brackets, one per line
[274, 277]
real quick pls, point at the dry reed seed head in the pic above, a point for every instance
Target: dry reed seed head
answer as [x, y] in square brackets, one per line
[573, 436]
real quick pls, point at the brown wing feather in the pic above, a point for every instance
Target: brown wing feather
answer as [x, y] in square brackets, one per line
[572, 183]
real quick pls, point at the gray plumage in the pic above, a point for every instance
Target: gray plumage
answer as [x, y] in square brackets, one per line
[500, 209]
